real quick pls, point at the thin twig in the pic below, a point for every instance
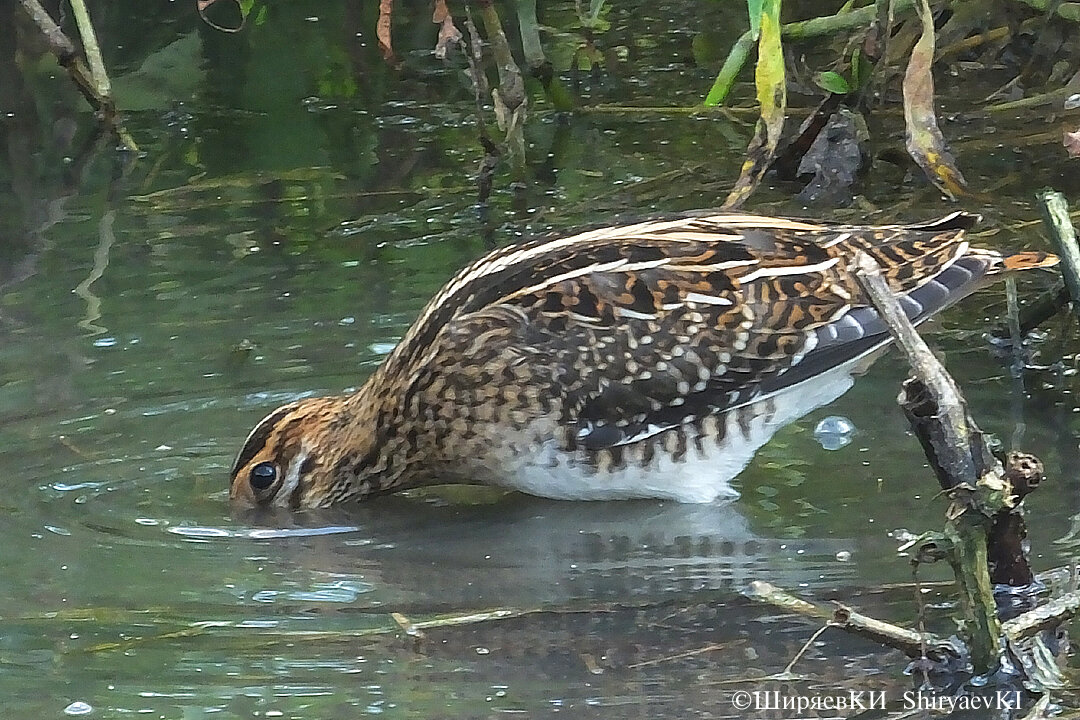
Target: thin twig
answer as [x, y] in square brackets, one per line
[925, 367]
[678, 656]
[921, 622]
[266, 639]
[786, 672]
[65, 52]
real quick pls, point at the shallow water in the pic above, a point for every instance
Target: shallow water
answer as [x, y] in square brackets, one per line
[297, 203]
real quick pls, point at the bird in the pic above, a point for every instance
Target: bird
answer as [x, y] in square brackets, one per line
[641, 360]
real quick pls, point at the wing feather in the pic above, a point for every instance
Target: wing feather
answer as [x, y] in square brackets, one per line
[625, 334]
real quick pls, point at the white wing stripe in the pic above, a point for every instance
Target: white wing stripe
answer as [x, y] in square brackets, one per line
[788, 270]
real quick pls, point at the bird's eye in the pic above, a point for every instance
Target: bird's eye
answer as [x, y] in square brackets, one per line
[263, 475]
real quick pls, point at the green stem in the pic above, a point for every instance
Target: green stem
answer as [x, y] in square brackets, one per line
[1055, 212]
[530, 33]
[814, 27]
[511, 104]
[93, 52]
[732, 66]
[539, 66]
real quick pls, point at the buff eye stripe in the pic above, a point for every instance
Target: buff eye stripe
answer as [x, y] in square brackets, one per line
[256, 440]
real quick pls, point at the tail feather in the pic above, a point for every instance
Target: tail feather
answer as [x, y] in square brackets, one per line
[1028, 260]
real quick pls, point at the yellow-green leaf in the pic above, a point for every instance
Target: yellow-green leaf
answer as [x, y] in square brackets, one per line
[772, 97]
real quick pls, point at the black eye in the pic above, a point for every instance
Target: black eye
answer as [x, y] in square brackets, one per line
[263, 475]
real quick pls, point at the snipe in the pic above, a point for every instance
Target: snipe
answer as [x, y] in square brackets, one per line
[646, 360]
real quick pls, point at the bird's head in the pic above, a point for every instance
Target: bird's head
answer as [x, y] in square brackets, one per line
[311, 453]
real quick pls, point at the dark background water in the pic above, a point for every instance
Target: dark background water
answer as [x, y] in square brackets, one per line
[296, 202]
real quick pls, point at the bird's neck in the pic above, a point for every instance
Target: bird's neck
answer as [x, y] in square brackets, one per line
[384, 448]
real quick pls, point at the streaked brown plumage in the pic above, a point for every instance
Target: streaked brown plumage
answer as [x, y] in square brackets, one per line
[621, 362]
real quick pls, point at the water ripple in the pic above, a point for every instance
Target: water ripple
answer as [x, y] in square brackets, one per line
[204, 533]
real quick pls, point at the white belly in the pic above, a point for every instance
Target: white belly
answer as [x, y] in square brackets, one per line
[702, 474]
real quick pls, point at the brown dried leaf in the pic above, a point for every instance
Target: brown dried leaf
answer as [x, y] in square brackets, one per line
[925, 143]
[448, 34]
[382, 29]
[1071, 141]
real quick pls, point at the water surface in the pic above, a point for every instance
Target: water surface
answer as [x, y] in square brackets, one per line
[297, 202]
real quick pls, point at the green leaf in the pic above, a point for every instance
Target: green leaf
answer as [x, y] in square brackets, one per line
[833, 82]
[245, 7]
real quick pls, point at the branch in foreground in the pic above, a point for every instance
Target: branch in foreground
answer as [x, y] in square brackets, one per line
[1048, 616]
[909, 642]
[962, 460]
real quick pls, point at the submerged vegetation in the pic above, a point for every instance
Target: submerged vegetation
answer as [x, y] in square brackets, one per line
[863, 52]
[861, 61]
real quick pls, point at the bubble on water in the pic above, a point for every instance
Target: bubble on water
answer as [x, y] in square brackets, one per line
[843, 555]
[834, 432]
[105, 342]
[78, 708]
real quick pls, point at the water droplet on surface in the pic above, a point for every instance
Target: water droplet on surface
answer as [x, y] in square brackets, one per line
[834, 432]
[482, 651]
[78, 708]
